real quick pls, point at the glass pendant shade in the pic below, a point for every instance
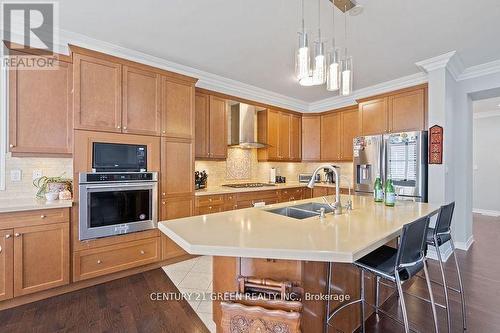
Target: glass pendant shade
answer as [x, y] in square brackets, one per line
[302, 57]
[333, 71]
[346, 76]
[319, 64]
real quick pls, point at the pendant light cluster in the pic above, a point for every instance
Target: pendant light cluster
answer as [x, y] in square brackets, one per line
[321, 68]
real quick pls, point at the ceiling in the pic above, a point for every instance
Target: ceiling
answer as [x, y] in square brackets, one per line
[253, 41]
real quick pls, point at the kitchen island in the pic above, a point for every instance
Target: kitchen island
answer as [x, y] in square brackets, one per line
[257, 242]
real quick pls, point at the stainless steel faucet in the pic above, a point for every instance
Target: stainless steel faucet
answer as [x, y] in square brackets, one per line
[337, 205]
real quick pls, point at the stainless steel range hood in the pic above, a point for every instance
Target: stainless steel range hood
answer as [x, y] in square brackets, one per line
[243, 126]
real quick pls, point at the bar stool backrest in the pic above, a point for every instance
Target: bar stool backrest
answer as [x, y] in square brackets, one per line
[411, 251]
[444, 218]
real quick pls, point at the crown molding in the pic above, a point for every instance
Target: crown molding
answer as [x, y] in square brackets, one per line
[451, 61]
[341, 101]
[472, 72]
[486, 114]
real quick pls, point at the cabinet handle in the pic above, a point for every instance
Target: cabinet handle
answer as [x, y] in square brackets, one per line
[0, 248]
[163, 194]
[164, 132]
[118, 127]
[99, 262]
[11, 146]
[235, 206]
[7, 236]
[209, 200]
[209, 207]
[42, 216]
[17, 234]
[124, 127]
[163, 203]
[142, 252]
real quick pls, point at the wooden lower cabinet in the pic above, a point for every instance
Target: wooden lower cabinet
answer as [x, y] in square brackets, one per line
[291, 194]
[6, 264]
[172, 209]
[41, 257]
[110, 259]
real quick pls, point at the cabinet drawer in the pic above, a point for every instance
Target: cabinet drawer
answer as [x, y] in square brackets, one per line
[34, 217]
[210, 209]
[209, 200]
[114, 258]
[257, 195]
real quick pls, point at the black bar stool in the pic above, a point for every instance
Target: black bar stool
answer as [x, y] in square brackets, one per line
[397, 266]
[436, 237]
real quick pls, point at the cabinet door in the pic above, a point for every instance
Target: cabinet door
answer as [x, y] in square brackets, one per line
[141, 101]
[177, 165]
[330, 137]
[295, 137]
[373, 116]
[6, 264]
[407, 111]
[273, 120]
[311, 138]
[173, 209]
[284, 136]
[178, 109]
[349, 130]
[41, 110]
[202, 125]
[218, 126]
[97, 94]
[41, 258]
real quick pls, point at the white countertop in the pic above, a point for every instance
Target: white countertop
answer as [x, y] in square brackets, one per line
[255, 233]
[219, 189]
[17, 205]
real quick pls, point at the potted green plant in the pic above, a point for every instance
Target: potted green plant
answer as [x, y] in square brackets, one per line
[57, 184]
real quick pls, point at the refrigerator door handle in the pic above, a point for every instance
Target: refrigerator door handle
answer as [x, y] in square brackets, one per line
[383, 160]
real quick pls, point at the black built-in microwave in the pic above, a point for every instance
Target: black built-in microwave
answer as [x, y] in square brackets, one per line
[118, 157]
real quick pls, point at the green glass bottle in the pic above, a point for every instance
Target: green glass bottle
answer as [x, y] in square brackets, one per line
[390, 193]
[378, 192]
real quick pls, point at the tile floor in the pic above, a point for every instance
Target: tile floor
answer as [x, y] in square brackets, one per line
[194, 277]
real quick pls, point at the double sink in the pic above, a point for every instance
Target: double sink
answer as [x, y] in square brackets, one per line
[302, 211]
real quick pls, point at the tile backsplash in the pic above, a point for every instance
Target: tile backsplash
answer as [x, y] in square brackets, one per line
[24, 188]
[242, 165]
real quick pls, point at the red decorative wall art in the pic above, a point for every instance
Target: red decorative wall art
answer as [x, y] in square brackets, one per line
[436, 145]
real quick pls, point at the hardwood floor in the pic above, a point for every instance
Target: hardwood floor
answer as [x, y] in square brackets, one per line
[124, 305]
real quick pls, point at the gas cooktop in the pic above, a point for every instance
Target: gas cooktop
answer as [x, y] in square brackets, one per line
[244, 185]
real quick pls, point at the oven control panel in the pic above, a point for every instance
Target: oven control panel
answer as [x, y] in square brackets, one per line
[105, 177]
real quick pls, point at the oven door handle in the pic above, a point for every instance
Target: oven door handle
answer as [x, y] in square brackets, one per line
[119, 186]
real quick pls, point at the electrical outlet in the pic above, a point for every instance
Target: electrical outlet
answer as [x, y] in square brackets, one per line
[37, 173]
[15, 175]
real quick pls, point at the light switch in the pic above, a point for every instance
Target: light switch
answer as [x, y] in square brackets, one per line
[15, 175]
[37, 173]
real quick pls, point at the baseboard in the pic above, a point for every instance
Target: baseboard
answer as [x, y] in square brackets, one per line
[444, 249]
[465, 245]
[486, 212]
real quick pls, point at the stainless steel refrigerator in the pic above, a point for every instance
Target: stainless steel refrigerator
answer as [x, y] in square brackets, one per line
[403, 156]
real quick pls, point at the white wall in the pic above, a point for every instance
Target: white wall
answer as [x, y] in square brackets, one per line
[486, 161]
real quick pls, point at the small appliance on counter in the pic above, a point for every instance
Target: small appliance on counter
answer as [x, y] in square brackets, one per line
[272, 175]
[329, 176]
[305, 177]
[200, 179]
[280, 179]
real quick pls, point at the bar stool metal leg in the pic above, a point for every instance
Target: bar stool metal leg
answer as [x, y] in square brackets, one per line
[377, 296]
[462, 295]
[402, 302]
[431, 296]
[362, 303]
[328, 290]
[440, 260]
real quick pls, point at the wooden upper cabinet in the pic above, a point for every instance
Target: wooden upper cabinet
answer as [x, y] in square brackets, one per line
[41, 109]
[41, 257]
[295, 137]
[202, 129]
[330, 137]
[407, 111]
[6, 264]
[284, 136]
[268, 132]
[178, 109]
[97, 93]
[373, 116]
[348, 131]
[218, 128]
[311, 138]
[177, 164]
[141, 101]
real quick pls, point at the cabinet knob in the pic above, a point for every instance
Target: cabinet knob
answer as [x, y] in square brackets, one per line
[209, 207]
[17, 234]
[118, 127]
[42, 216]
[11, 146]
[164, 132]
[163, 203]
[99, 262]
[0, 248]
[7, 236]
[163, 193]
[142, 252]
[210, 200]
[235, 206]
[124, 127]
